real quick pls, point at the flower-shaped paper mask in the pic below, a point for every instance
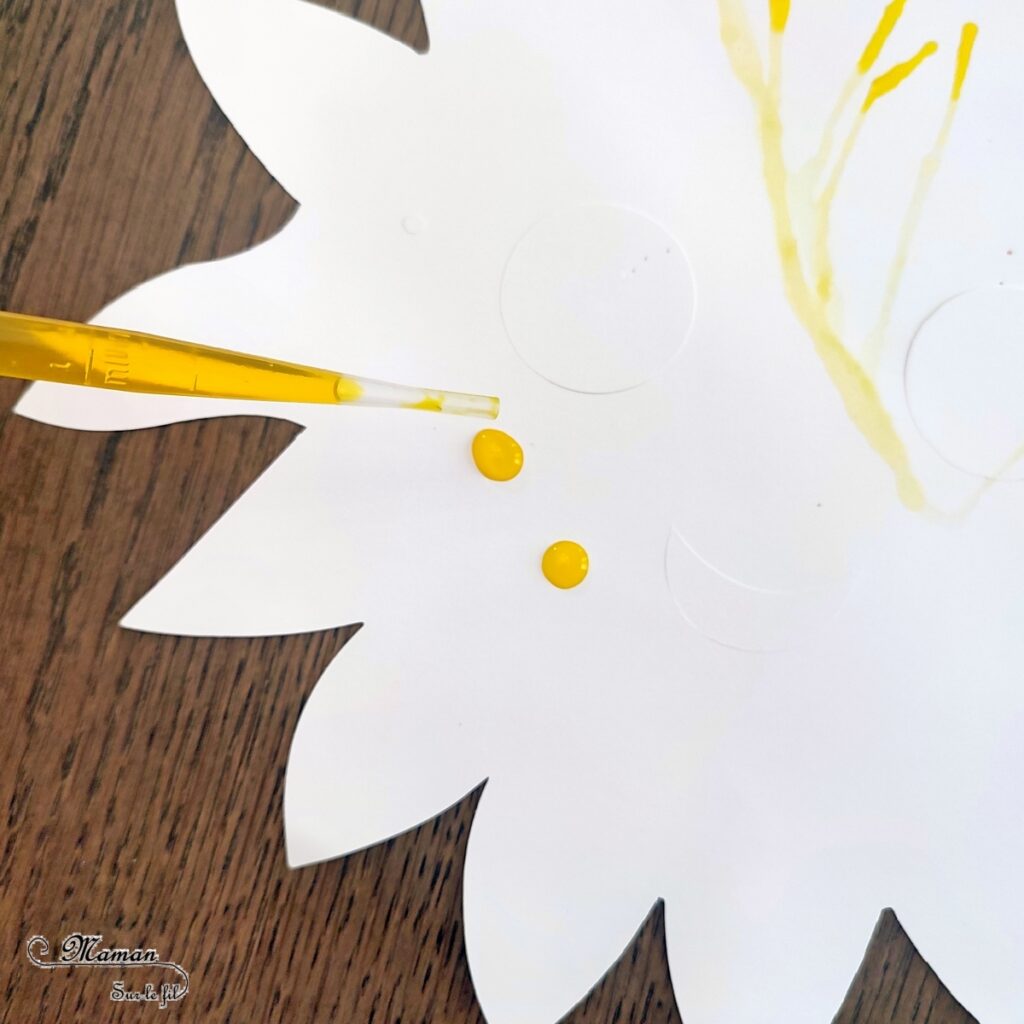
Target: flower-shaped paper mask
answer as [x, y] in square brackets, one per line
[787, 692]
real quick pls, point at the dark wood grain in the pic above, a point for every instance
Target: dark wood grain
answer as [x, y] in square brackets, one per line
[638, 988]
[895, 985]
[141, 776]
[116, 163]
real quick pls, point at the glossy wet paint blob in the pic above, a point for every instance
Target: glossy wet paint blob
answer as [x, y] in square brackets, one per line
[497, 455]
[565, 564]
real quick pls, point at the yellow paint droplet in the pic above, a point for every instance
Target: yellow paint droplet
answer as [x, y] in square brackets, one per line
[497, 455]
[963, 57]
[779, 13]
[565, 564]
[896, 75]
[883, 30]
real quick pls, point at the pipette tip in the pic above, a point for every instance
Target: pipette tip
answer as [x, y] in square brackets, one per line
[458, 404]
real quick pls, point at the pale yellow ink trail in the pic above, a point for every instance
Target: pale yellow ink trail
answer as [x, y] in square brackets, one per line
[995, 478]
[812, 170]
[875, 342]
[856, 388]
[738, 40]
[804, 184]
[824, 276]
[822, 272]
[811, 297]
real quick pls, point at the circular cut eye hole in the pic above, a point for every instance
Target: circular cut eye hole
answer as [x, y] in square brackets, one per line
[745, 616]
[597, 298]
[964, 380]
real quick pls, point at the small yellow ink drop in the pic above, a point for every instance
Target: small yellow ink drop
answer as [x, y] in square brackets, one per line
[565, 564]
[497, 456]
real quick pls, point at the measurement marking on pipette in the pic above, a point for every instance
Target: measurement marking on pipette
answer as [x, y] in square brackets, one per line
[118, 367]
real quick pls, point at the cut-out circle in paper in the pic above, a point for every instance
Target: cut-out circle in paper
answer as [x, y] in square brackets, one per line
[597, 298]
[741, 615]
[965, 381]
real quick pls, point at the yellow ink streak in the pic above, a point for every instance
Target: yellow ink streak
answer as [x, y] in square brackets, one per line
[738, 40]
[856, 389]
[811, 304]
[875, 343]
[779, 14]
[890, 16]
[823, 273]
[896, 76]
[818, 161]
[881, 86]
[809, 175]
[973, 500]
[497, 455]
[968, 34]
[565, 564]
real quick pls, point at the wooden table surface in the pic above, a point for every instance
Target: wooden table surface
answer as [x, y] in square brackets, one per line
[141, 776]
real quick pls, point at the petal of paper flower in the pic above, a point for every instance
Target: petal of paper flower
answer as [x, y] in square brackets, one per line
[370, 758]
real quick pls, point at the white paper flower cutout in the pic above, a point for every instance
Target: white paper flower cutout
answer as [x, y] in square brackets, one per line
[776, 800]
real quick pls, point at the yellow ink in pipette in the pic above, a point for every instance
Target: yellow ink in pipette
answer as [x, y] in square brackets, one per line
[36, 348]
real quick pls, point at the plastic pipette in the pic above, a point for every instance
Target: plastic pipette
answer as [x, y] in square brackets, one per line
[36, 348]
